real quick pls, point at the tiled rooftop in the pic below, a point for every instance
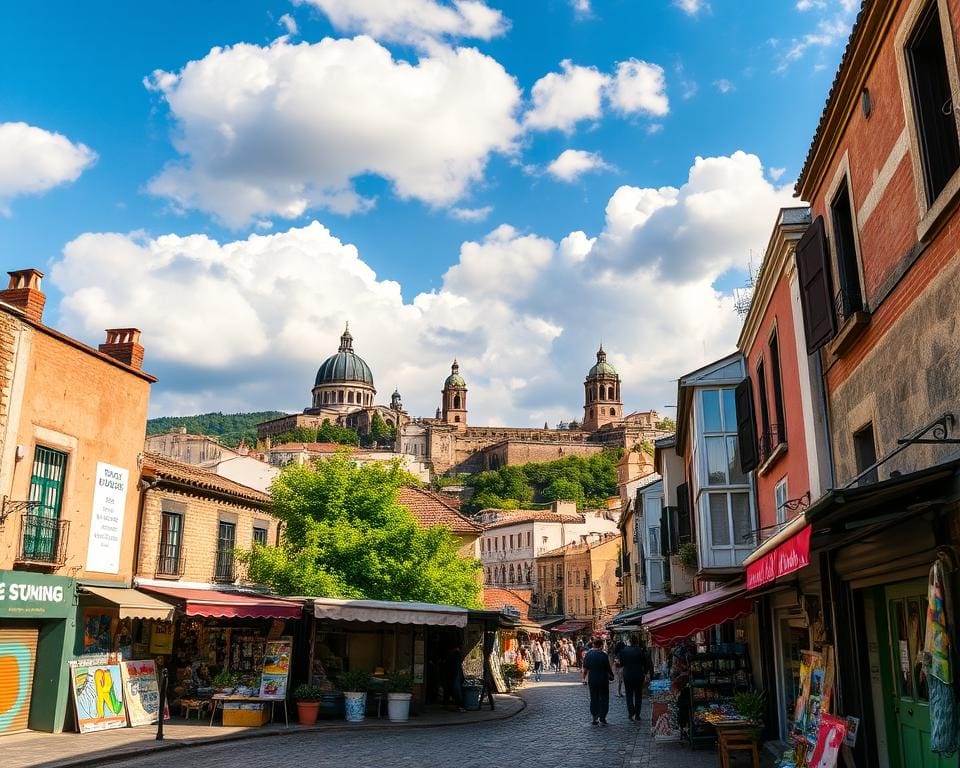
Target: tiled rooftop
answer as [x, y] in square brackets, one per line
[432, 508]
[155, 465]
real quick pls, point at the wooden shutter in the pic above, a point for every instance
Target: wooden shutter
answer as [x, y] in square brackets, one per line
[746, 426]
[684, 527]
[816, 286]
[665, 531]
[18, 654]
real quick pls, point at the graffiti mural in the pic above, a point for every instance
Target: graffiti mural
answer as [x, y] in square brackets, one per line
[98, 696]
[16, 663]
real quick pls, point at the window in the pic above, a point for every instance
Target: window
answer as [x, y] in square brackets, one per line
[226, 541]
[780, 500]
[865, 454]
[778, 409]
[511, 541]
[496, 547]
[529, 539]
[729, 527]
[613, 411]
[503, 543]
[578, 605]
[41, 531]
[766, 436]
[260, 535]
[933, 106]
[653, 534]
[171, 535]
[850, 298]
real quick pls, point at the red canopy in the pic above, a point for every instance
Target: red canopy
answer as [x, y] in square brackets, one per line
[227, 605]
[570, 626]
[678, 621]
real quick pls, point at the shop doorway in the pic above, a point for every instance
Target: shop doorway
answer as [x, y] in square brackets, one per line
[904, 616]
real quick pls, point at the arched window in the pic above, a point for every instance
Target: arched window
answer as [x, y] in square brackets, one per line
[529, 574]
[489, 578]
[503, 574]
[613, 411]
[549, 604]
[512, 575]
[349, 397]
[610, 395]
[389, 422]
[456, 419]
[340, 396]
[456, 401]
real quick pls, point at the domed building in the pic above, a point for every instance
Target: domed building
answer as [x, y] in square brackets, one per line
[601, 401]
[344, 381]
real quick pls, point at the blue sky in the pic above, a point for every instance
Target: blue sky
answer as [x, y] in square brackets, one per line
[430, 153]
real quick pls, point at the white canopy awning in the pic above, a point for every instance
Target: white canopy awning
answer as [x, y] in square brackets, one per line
[386, 612]
[132, 603]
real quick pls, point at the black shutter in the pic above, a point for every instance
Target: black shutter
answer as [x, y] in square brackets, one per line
[746, 426]
[816, 286]
[674, 530]
[684, 527]
[664, 531]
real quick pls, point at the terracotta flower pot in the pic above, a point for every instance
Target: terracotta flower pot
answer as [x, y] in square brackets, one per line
[307, 712]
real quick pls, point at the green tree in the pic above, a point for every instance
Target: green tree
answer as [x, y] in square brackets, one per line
[666, 424]
[345, 535]
[380, 433]
[326, 433]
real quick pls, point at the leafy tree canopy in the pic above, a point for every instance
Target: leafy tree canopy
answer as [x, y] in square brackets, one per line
[380, 433]
[667, 424]
[230, 428]
[587, 480]
[345, 535]
[325, 433]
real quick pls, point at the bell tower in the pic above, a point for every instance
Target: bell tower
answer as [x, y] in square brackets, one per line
[455, 398]
[601, 394]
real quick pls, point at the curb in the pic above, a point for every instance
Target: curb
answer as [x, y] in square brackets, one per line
[166, 746]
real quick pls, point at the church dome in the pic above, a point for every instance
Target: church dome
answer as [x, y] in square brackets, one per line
[602, 368]
[346, 365]
[454, 380]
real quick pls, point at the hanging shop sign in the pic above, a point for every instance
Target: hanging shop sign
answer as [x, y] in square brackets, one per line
[789, 556]
[25, 595]
[106, 519]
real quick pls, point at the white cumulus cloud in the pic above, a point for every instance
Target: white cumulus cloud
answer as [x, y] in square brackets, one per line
[471, 214]
[413, 21]
[33, 160]
[282, 129]
[245, 324]
[573, 163]
[289, 23]
[639, 86]
[691, 7]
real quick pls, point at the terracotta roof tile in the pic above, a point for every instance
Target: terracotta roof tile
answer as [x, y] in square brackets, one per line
[156, 465]
[515, 516]
[436, 509]
[574, 548]
[494, 598]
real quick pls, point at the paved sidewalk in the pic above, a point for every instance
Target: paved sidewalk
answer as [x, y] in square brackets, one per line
[60, 750]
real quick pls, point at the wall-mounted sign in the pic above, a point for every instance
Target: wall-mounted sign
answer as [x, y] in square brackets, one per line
[25, 595]
[106, 518]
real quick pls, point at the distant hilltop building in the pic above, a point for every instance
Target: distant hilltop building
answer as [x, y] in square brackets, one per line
[344, 394]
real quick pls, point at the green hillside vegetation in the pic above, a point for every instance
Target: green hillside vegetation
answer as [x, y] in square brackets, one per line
[587, 480]
[230, 428]
[325, 433]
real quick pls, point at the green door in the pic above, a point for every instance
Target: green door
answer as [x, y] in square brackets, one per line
[906, 606]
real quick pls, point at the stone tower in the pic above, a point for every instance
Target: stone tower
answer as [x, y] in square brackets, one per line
[455, 398]
[601, 401]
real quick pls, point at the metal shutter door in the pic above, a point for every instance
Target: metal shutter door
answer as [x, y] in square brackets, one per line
[18, 653]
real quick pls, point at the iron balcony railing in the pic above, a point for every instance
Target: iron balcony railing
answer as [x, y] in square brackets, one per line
[770, 440]
[170, 561]
[224, 571]
[43, 540]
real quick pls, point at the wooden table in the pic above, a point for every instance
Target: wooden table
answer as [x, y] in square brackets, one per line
[218, 699]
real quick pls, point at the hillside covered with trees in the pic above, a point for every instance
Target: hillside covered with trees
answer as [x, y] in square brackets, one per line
[229, 427]
[587, 480]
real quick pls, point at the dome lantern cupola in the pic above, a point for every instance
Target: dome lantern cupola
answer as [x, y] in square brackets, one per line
[344, 380]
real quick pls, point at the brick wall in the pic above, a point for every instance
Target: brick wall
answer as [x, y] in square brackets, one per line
[201, 518]
[10, 328]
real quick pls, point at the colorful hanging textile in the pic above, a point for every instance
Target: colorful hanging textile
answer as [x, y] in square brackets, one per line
[937, 662]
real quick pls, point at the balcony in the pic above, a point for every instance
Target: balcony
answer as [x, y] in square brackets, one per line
[43, 541]
[170, 563]
[772, 444]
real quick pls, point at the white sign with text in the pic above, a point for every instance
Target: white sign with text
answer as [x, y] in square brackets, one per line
[106, 519]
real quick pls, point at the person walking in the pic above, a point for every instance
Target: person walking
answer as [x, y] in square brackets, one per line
[617, 669]
[555, 657]
[536, 655]
[636, 666]
[597, 674]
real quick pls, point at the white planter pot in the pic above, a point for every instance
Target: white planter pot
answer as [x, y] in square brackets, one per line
[355, 705]
[398, 707]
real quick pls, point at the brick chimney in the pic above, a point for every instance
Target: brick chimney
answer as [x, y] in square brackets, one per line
[123, 344]
[24, 292]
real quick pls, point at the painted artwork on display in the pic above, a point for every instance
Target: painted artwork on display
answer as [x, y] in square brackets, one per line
[141, 692]
[276, 668]
[98, 630]
[98, 696]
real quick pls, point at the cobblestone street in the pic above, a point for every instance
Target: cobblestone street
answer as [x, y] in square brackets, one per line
[554, 730]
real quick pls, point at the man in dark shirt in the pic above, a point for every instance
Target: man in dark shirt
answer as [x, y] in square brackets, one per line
[597, 674]
[636, 665]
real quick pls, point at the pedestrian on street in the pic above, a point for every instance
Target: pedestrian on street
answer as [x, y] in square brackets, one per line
[453, 679]
[555, 657]
[571, 655]
[617, 669]
[597, 675]
[636, 666]
[536, 655]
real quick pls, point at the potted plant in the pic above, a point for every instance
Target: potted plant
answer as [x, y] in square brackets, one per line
[308, 703]
[752, 707]
[688, 554]
[512, 674]
[354, 684]
[399, 693]
[224, 682]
